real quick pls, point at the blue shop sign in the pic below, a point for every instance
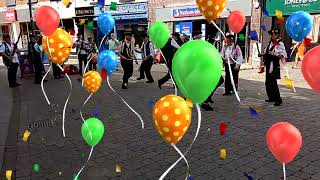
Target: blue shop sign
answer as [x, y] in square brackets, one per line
[186, 12]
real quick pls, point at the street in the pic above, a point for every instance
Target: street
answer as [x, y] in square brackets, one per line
[141, 153]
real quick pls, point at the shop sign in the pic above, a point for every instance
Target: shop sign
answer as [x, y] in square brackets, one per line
[186, 12]
[131, 16]
[85, 11]
[289, 6]
[130, 8]
[186, 28]
[10, 16]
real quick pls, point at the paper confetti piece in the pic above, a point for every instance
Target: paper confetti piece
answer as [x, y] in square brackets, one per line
[266, 13]
[8, 174]
[264, 28]
[190, 177]
[82, 21]
[36, 168]
[249, 177]
[257, 108]
[254, 36]
[113, 6]
[289, 84]
[26, 135]
[189, 103]
[253, 112]
[241, 37]
[118, 168]
[278, 14]
[209, 129]
[223, 128]
[67, 3]
[223, 154]
[60, 173]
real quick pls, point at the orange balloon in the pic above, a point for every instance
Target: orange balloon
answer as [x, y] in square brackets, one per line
[60, 44]
[92, 81]
[172, 118]
[211, 9]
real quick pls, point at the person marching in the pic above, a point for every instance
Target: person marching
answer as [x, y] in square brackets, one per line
[93, 54]
[126, 53]
[9, 53]
[82, 48]
[233, 52]
[148, 55]
[273, 53]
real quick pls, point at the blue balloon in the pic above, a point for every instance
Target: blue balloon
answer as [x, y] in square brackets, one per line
[299, 25]
[105, 23]
[108, 60]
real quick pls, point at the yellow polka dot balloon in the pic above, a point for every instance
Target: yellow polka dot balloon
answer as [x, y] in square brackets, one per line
[60, 44]
[211, 9]
[172, 117]
[92, 81]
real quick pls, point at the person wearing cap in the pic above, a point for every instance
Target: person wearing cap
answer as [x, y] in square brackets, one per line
[232, 52]
[148, 55]
[9, 53]
[126, 53]
[272, 55]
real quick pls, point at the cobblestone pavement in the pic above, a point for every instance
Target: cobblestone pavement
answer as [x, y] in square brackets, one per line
[141, 153]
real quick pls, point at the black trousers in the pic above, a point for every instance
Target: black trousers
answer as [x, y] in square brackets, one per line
[221, 81]
[145, 68]
[92, 66]
[12, 74]
[167, 77]
[127, 66]
[56, 70]
[235, 74]
[38, 71]
[82, 58]
[272, 88]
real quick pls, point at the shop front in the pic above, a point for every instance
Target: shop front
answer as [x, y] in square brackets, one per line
[130, 17]
[84, 20]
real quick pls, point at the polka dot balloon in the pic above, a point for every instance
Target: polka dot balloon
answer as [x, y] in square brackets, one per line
[172, 117]
[211, 9]
[60, 44]
[92, 81]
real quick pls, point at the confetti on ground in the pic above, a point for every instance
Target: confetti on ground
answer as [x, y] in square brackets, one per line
[8, 174]
[209, 129]
[289, 84]
[259, 94]
[253, 112]
[257, 108]
[36, 168]
[223, 128]
[190, 177]
[60, 173]
[249, 177]
[118, 168]
[26, 135]
[113, 6]
[223, 154]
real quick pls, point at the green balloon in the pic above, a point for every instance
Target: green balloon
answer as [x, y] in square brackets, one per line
[159, 34]
[96, 127]
[90, 25]
[197, 68]
[241, 37]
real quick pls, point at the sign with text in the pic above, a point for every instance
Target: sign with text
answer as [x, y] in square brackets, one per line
[130, 8]
[186, 12]
[10, 16]
[289, 6]
[85, 11]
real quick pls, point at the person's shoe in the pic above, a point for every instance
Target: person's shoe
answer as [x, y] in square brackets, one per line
[150, 81]
[159, 85]
[139, 78]
[269, 100]
[277, 103]
[206, 107]
[227, 94]
[124, 86]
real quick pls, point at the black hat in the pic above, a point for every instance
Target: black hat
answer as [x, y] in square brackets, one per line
[274, 31]
[127, 34]
[145, 35]
[230, 36]
[5, 35]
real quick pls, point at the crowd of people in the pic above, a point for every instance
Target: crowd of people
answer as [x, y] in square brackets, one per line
[87, 52]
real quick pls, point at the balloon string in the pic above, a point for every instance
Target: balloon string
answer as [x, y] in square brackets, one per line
[229, 66]
[42, 87]
[76, 178]
[175, 87]
[142, 123]
[284, 171]
[49, 48]
[85, 102]
[102, 41]
[294, 48]
[66, 103]
[175, 163]
[85, 68]
[185, 153]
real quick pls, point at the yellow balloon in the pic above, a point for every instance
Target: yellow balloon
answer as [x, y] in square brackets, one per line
[60, 44]
[92, 81]
[211, 9]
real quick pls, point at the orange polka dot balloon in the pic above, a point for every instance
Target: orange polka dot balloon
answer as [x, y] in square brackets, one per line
[211, 9]
[60, 44]
[92, 81]
[172, 118]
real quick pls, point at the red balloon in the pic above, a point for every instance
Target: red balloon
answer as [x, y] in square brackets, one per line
[236, 21]
[311, 68]
[284, 141]
[47, 20]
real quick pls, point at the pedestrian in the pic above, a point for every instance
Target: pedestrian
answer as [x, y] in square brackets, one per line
[148, 56]
[82, 48]
[232, 52]
[300, 54]
[92, 54]
[205, 105]
[126, 53]
[36, 58]
[168, 52]
[113, 43]
[9, 53]
[56, 71]
[272, 55]
[177, 38]
[133, 42]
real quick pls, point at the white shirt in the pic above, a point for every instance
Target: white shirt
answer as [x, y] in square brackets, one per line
[234, 54]
[144, 49]
[279, 50]
[15, 58]
[113, 44]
